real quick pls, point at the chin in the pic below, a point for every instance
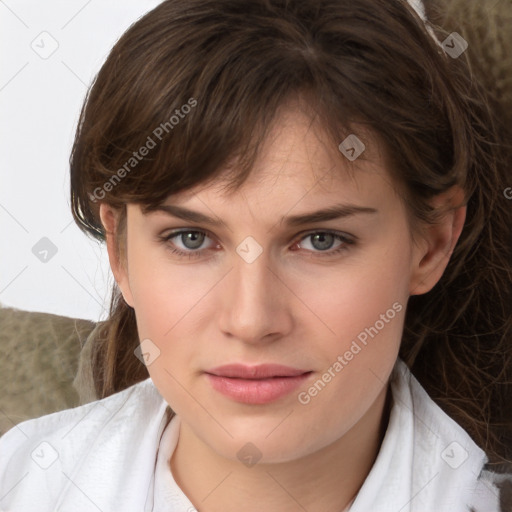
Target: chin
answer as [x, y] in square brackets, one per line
[263, 442]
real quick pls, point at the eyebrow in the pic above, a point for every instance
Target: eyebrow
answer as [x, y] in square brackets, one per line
[333, 212]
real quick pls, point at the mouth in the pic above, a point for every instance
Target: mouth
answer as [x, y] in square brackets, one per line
[256, 384]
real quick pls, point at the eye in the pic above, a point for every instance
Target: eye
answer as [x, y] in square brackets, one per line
[323, 240]
[192, 240]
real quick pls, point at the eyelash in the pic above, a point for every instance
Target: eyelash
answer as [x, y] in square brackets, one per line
[196, 254]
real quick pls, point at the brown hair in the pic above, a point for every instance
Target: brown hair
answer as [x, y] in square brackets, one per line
[369, 62]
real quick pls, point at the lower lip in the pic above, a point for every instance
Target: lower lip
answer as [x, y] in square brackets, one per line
[256, 391]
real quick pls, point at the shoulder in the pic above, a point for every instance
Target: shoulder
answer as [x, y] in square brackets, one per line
[448, 451]
[78, 421]
[61, 442]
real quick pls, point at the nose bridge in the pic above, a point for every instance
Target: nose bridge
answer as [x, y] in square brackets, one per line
[254, 303]
[252, 274]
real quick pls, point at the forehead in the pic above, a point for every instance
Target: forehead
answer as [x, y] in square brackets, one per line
[299, 156]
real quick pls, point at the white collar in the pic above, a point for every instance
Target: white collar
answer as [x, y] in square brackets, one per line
[427, 462]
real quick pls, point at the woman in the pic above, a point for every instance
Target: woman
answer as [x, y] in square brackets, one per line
[298, 200]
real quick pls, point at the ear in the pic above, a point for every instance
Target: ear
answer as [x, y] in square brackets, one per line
[433, 252]
[109, 218]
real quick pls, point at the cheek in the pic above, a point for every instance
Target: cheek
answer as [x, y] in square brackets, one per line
[162, 290]
[352, 295]
[362, 310]
[165, 295]
[169, 301]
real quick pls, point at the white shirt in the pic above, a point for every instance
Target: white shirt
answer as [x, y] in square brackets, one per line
[112, 455]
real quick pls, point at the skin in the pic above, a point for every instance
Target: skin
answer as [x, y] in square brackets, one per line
[291, 306]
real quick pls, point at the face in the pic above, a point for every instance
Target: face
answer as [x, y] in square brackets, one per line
[325, 298]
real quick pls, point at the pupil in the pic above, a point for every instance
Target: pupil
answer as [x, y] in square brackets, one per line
[323, 236]
[194, 236]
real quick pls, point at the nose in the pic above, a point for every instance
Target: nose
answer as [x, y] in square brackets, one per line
[255, 302]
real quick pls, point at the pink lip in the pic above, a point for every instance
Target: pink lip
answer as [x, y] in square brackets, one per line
[256, 384]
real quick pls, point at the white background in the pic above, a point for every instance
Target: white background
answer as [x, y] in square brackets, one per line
[40, 100]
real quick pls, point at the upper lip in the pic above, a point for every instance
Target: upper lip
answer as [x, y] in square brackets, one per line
[261, 371]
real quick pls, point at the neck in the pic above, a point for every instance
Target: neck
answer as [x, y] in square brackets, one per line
[327, 479]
